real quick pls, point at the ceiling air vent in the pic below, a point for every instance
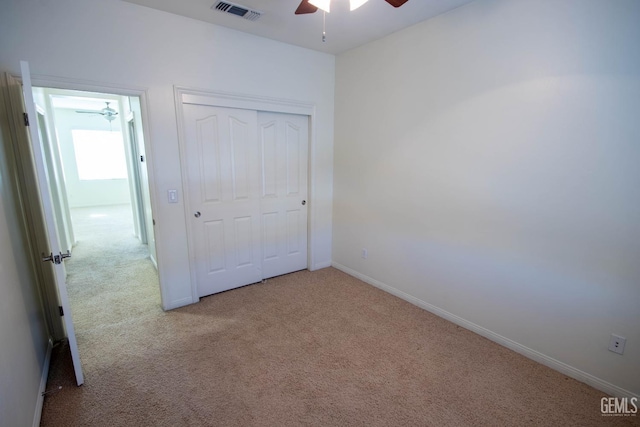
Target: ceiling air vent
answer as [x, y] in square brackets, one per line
[236, 9]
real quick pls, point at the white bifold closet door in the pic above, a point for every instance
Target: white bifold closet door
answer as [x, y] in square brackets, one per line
[247, 183]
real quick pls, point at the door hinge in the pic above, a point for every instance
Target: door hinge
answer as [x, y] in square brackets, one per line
[26, 119]
[56, 259]
[61, 310]
[142, 158]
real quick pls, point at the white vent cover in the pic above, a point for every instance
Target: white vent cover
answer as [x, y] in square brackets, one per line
[237, 10]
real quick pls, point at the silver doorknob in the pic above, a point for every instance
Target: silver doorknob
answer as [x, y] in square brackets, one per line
[304, 202]
[197, 215]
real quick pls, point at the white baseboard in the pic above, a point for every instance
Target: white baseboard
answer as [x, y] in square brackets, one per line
[43, 385]
[179, 303]
[320, 265]
[550, 362]
[153, 260]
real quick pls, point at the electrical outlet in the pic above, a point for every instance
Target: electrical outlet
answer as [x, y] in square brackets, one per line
[365, 253]
[617, 343]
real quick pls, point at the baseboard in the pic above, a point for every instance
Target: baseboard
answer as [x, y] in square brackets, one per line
[320, 265]
[43, 385]
[153, 260]
[179, 303]
[550, 362]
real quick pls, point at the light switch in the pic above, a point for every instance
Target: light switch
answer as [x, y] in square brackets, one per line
[173, 196]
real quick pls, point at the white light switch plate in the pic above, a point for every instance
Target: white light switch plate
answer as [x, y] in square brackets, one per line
[173, 196]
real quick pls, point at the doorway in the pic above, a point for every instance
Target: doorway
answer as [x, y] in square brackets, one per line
[93, 144]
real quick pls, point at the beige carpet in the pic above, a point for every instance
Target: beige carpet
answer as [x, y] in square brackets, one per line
[110, 278]
[317, 348]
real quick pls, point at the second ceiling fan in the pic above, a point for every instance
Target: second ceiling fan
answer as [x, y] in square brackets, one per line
[311, 6]
[108, 113]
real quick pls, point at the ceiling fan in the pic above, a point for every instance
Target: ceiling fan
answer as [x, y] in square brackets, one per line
[310, 6]
[108, 113]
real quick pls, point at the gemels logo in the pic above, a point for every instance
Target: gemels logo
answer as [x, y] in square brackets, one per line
[619, 407]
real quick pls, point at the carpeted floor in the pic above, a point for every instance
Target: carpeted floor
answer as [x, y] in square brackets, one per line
[110, 278]
[319, 348]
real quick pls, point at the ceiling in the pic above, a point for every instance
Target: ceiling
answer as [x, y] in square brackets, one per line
[345, 30]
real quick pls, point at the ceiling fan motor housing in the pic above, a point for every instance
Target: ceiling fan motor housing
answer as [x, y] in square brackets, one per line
[108, 113]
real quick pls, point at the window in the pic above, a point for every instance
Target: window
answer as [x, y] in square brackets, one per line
[99, 154]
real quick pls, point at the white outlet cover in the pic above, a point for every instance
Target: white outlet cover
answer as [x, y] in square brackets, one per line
[617, 343]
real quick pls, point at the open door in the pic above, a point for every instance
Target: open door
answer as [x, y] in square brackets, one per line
[55, 255]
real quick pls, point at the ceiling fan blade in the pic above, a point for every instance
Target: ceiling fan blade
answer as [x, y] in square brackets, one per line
[89, 111]
[396, 3]
[305, 7]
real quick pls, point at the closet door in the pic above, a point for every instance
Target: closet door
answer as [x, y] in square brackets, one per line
[223, 168]
[283, 141]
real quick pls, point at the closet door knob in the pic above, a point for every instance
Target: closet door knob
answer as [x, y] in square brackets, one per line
[304, 202]
[197, 214]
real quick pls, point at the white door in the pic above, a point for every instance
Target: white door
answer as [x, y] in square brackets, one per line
[138, 206]
[144, 176]
[284, 141]
[222, 163]
[45, 195]
[54, 180]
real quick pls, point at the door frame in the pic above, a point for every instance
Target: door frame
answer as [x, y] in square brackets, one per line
[89, 86]
[188, 95]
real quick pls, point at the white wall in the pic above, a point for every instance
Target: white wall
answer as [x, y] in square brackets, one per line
[23, 333]
[85, 193]
[122, 44]
[488, 159]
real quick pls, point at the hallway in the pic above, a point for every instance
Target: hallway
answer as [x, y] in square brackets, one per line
[111, 280]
